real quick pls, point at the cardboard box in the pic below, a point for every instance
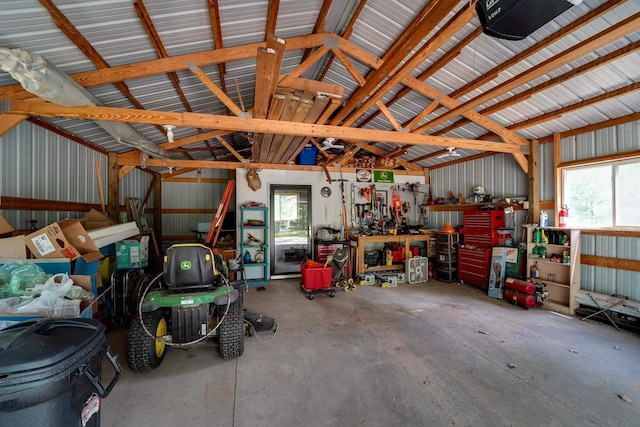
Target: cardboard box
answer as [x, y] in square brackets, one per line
[5, 227]
[129, 254]
[94, 220]
[50, 242]
[13, 248]
[80, 240]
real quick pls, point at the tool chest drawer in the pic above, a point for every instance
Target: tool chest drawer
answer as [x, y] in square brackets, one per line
[473, 265]
[487, 238]
[483, 220]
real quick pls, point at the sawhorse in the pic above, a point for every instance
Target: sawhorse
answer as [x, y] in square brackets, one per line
[603, 311]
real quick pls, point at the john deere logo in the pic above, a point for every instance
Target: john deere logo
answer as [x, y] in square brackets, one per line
[185, 265]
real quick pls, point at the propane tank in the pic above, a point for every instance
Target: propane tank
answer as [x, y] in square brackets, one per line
[563, 216]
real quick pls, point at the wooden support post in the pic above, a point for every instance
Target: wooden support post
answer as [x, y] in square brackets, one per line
[557, 177]
[157, 209]
[534, 181]
[113, 208]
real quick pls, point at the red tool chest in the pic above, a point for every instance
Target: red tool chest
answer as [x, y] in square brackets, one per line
[480, 235]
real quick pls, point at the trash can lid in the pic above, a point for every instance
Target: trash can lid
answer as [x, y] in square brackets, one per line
[38, 343]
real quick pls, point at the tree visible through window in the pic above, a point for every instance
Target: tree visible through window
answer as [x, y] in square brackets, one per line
[604, 195]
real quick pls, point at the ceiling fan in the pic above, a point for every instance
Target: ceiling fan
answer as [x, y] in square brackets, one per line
[452, 153]
[329, 143]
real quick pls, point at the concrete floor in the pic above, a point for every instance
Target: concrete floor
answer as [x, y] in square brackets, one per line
[431, 354]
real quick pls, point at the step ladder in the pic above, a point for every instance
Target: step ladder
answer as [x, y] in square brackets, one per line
[216, 224]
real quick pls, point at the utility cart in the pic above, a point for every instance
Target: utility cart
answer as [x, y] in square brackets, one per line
[326, 279]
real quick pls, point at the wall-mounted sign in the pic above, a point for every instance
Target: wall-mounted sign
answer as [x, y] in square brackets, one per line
[385, 177]
[363, 175]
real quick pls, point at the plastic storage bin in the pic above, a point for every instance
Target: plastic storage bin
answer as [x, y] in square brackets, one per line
[316, 278]
[50, 372]
[308, 155]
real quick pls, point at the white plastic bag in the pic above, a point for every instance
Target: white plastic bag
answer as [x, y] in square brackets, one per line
[55, 287]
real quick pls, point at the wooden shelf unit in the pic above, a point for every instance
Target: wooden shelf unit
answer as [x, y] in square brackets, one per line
[562, 279]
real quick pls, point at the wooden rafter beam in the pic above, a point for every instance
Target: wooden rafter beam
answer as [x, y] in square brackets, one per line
[9, 121]
[579, 23]
[320, 23]
[463, 160]
[278, 104]
[264, 77]
[76, 37]
[216, 30]
[431, 70]
[209, 164]
[213, 87]
[348, 65]
[430, 155]
[314, 86]
[507, 135]
[272, 17]
[278, 45]
[423, 114]
[228, 146]
[65, 134]
[300, 69]
[154, 37]
[180, 142]
[551, 115]
[594, 127]
[232, 123]
[320, 104]
[346, 35]
[392, 71]
[615, 32]
[562, 78]
[165, 65]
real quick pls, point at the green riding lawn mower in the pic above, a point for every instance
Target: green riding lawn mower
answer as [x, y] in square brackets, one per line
[190, 304]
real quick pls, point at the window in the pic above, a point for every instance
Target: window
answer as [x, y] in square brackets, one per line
[604, 195]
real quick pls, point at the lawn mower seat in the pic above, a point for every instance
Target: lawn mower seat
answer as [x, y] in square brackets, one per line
[190, 266]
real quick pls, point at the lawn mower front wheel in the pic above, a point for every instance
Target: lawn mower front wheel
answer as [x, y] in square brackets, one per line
[143, 352]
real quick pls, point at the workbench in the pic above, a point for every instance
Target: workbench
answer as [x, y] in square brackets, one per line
[358, 244]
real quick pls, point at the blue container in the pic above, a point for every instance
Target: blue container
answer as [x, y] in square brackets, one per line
[308, 155]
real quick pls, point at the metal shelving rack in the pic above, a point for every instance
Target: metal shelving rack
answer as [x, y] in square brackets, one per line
[260, 232]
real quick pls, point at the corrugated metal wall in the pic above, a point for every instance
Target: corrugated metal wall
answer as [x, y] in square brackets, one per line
[608, 281]
[192, 196]
[38, 164]
[500, 175]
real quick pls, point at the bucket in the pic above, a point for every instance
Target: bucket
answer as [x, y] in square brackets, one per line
[50, 372]
[415, 251]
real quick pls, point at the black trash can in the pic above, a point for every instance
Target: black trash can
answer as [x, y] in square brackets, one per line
[50, 372]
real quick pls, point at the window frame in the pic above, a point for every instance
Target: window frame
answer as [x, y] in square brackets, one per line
[614, 164]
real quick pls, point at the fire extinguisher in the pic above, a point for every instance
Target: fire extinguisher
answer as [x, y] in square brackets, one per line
[563, 216]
